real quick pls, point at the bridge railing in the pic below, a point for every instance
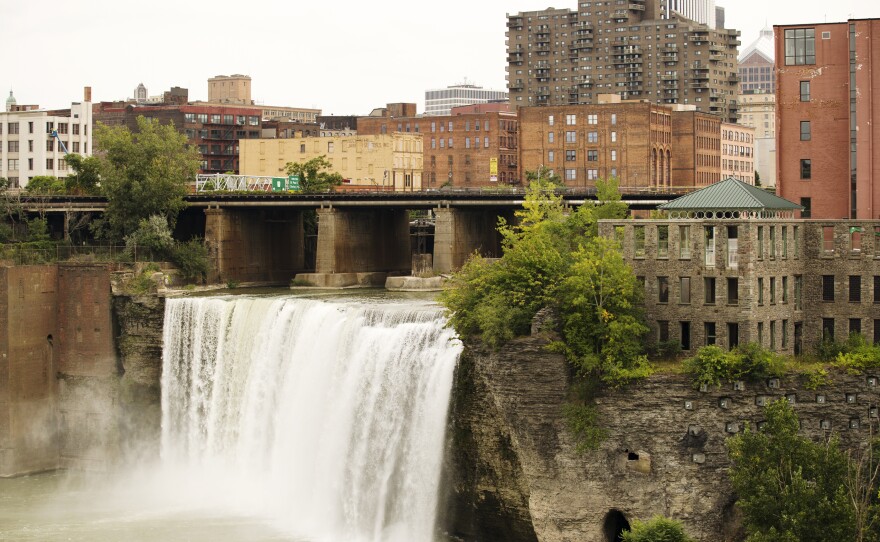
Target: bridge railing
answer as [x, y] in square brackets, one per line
[219, 182]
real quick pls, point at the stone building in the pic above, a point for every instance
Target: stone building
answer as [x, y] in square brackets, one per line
[391, 162]
[732, 265]
[639, 49]
[826, 120]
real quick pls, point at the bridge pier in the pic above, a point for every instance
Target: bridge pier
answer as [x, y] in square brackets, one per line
[359, 246]
[459, 232]
[254, 245]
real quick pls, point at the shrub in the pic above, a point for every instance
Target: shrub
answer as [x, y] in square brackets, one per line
[583, 422]
[657, 529]
[295, 282]
[816, 378]
[153, 235]
[860, 359]
[191, 258]
[711, 365]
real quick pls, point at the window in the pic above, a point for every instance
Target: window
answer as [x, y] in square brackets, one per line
[570, 137]
[571, 174]
[732, 335]
[876, 331]
[807, 204]
[12, 128]
[772, 290]
[684, 284]
[732, 291]
[12, 164]
[592, 137]
[639, 241]
[828, 238]
[827, 287]
[785, 289]
[614, 137]
[806, 132]
[663, 331]
[663, 289]
[798, 291]
[329, 146]
[855, 325]
[549, 121]
[12, 146]
[302, 147]
[450, 143]
[550, 156]
[876, 288]
[761, 334]
[709, 246]
[571, 156]
[593, 119]
[662, 241]
[795, 233]
[760, 290]
[592, 174]
[709, 290]
[805, 91]
[785, 334]
[709, 331]
[75, 129]
[828, 329]
[684, 242]
[800, 46]
[613, 155]
[50, 145]
[30, 164]
[593, 156]
[785, 241]
[450, 126]
[613, 119]
[50, 163]
[772, 335]
[772, 242]
[549, 137]
[760, 242]
[855, 288]
[486, 142]
[571, 120]
[685, 329]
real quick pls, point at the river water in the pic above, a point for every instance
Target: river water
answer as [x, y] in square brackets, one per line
[284, 418]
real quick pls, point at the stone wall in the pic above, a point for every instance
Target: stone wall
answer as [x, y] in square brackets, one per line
[516, 474]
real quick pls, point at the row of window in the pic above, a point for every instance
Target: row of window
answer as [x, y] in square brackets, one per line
[571, 119]
[241, 120]
[571, 137]
[467, 143]
[12, 128]
[15, 146]
[854, 287]
[710, 291]
[13, 164]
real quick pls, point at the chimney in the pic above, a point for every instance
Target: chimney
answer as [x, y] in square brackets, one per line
[87, 94]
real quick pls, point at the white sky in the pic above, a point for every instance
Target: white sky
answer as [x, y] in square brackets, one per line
[343, 57]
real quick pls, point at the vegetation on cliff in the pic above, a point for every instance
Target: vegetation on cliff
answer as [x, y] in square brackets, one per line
[657, 529]
[792, 489]
[711, 365]
[556, 259]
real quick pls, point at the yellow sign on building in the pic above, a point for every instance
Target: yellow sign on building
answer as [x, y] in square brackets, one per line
[493, 169]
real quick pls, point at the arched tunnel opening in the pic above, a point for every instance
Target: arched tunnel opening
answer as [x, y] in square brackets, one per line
[615, 524]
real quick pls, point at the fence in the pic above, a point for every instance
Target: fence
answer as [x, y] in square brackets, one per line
[26, 254]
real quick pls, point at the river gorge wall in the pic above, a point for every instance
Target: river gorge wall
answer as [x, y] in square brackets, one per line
[80, 364]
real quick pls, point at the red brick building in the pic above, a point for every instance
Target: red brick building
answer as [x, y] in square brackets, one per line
[467, 150]
[826, 119]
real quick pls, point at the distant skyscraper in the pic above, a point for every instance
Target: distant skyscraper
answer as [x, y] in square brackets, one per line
[756, 65]
[140, 94]
[441, 101]
[701, 11]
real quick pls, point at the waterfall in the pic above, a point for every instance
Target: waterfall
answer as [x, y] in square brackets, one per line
[326, 416]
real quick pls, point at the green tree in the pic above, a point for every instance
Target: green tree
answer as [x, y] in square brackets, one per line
[86, 176]
[142, 174]
[46, 184]
[657, 529]
[314, 175]
[790, 488]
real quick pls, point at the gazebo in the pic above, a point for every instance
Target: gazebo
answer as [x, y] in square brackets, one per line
[731, 199]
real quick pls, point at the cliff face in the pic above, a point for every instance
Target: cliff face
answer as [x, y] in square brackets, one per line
[516, 475]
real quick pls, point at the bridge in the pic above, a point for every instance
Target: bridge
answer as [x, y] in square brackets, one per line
[361, 236]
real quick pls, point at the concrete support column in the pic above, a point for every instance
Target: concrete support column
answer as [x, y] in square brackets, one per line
[254, 245]
[458, 233]
[361, 246]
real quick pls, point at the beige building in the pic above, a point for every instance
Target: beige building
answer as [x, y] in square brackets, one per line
[230, 89]
[758, 110]
[377, 162]
[738, 152]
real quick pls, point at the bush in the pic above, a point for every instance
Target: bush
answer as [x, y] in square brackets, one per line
[191, 258]
[583, 422]
[657, 529]
[153, 235]
[859, 359]
[712, 365]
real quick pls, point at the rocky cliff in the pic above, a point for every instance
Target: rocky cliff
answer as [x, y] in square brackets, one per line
[515, 473]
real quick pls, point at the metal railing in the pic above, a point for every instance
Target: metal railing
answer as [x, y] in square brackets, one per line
[26, 254]
[234, 183]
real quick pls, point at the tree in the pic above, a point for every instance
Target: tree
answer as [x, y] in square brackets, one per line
[657, 529]
[46, 184]
[313, 175]
[86, 177]
[790, 488]
[11, 211]
[142, 174]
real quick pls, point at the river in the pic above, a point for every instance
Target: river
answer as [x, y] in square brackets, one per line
[294, 418]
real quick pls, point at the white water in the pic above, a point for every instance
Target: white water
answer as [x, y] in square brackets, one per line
[326, 418]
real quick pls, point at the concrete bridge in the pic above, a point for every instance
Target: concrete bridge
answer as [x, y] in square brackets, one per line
[361, 237]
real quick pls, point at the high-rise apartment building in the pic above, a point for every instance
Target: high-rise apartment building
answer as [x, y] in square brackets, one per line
[827, 120]
[563, 56]
[28, 147]
[440, 101]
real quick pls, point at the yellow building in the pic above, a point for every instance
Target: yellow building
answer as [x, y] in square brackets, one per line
[377, 162]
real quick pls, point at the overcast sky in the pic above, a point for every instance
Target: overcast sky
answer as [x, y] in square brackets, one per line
[343, 57]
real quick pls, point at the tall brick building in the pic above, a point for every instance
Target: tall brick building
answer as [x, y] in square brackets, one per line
[638, 49]
[827, 122]
[639, 143]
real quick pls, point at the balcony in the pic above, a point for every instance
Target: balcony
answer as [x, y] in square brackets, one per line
[716, 57]
[636, 7]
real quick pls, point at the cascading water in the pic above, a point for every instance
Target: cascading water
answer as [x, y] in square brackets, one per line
[327, 417]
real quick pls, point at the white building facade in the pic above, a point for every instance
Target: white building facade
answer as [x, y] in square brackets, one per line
[441, 101]
[28, 149]
[701, 11]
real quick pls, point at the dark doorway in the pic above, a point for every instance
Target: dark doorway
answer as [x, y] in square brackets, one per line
[798, 338]
[615, 524]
